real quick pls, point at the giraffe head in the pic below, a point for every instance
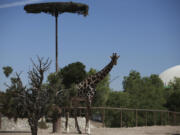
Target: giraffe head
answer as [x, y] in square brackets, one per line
[114, 58]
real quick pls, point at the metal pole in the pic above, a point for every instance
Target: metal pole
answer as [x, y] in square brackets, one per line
[58, 122]
[56, 17]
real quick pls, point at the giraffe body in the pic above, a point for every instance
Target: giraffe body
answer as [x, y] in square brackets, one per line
[87, 88]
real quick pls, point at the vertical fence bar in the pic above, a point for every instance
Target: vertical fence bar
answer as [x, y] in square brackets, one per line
[168, 118]
[103, 117]
[146, 118]
[80, 112]
[161, 119]
[154, 118]
[136, 118]
[75, 113]
[121, 119]
[174, 118]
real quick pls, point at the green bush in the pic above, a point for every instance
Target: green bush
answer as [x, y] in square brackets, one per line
[42, 125]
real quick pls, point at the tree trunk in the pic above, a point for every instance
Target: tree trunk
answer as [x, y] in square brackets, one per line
[67, 118]
[34, 126]
[57, 125]
[34, 130]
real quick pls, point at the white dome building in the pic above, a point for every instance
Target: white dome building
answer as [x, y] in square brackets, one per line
[169, 74]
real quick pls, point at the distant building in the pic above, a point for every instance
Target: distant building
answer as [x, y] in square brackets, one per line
[169, 74]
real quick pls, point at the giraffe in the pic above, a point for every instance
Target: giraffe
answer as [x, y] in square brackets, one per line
[86, 90]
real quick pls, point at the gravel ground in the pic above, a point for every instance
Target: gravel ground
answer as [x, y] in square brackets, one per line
[154, 130]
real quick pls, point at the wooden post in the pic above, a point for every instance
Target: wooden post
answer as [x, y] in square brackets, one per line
[80, 112]
[103, 117]
[168, 119]
[121, 119]
[136, 118]
[56, 17]
[154, 118]
[161, 119]
[174, 118]
[146, 118]
[75, 113]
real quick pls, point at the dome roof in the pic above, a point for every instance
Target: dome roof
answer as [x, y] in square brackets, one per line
[169, 74]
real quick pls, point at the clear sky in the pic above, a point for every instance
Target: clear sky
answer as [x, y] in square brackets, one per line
[145, 33]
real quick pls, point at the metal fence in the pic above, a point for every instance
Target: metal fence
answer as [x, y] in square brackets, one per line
[126, 117]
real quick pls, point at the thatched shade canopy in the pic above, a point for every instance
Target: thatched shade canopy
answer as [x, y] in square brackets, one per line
[55, 8]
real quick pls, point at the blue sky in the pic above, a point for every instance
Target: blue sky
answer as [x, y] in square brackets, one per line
[145, 33]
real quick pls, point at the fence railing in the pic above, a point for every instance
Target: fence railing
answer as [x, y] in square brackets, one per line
[126, 117]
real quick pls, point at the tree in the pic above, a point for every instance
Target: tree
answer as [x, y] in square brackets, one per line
[132, 84]
[54, 84]
[173, 102]
[9, 98]
[35, 99]
[146, 92]
[61, 87]
[73, 73]
[116, 99]
[29, 102]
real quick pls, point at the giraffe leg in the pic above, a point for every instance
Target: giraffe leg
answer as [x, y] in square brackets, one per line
[89, 117]
[76, 122]
[86, 126]
[89, 128]
[88, 131]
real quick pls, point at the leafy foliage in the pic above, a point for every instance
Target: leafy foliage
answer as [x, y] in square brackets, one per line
[7, 70]
[116, 99]
[146, 92]
[173, 102]
[11, 103]
[40, 99]
[42, 124]
[73, 73]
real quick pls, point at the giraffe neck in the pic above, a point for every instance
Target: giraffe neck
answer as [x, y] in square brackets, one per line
[93, 80]
[103, 73]
[86, 88]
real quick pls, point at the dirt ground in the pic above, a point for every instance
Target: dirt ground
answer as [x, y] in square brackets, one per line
[154, 130]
